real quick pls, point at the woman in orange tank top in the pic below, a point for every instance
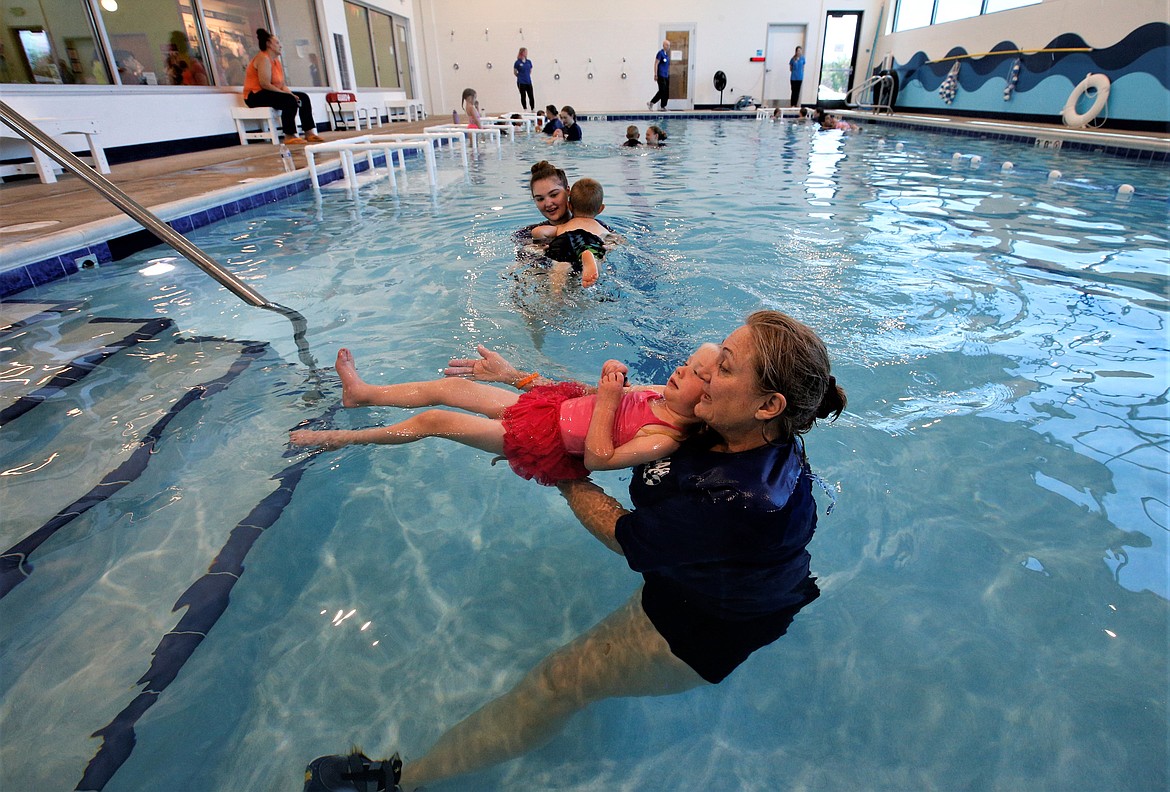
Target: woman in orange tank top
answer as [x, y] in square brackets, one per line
[264, 86]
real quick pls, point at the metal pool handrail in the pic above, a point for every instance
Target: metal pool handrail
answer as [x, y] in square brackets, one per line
[151, 222]
[858, 93]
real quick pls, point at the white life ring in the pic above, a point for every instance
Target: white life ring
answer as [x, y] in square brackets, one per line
[1097, 82]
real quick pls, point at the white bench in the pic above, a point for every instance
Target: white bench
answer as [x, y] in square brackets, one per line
[267, 117]
[44, 165]
[408, 109]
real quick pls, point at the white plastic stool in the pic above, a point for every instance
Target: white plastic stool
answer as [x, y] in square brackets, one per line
[268, 119]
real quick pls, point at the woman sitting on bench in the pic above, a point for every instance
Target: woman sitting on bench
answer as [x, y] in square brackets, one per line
[264, 87]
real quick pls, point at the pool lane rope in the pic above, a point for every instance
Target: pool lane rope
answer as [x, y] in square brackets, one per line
[950, 85]
[1013, 78]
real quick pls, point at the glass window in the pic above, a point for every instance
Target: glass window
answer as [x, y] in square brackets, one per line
[950, 10]
[1004, 5]
[913, 14]
[403, 56]
[296, 24]
[231, 29]
[917, 13]
[51, 41]
[378, 61]
[357, 19]
[383, 34]
[154, 43]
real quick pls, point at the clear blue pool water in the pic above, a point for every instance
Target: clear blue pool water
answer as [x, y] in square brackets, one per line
[994, 573]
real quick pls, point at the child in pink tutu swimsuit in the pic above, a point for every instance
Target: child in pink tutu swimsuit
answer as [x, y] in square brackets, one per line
[550, 432]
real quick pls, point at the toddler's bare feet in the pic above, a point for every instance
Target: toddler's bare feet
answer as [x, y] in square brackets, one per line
[319, 437]
[589, 274]
[589, 270]
[353, 387]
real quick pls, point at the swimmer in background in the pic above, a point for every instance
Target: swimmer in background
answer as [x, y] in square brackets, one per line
[552, 120]
[549, 432]
[471, 108]
[570, 130]
[577, 243]
[632, 137]
[655, 137]
[829, 121]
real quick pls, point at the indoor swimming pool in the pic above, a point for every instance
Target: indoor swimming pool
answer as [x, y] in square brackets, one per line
[203, 608]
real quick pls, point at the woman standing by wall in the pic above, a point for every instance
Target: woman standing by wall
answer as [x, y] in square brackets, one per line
[796, 66]
[522, 68]
[661, 76]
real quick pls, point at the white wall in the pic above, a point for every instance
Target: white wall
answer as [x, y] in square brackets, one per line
[1101, 23]
[727, 34]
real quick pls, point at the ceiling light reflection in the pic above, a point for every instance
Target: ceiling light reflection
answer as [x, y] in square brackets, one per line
[158, 266]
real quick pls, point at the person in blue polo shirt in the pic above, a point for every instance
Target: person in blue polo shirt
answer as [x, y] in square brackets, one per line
[522, 68]
[796, 65]
[661, 76]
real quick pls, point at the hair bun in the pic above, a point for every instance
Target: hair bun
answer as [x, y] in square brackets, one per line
[833, 402]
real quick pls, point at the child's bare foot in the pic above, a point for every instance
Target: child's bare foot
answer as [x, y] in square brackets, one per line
[353, 387]
[588, 269]
[323, 438]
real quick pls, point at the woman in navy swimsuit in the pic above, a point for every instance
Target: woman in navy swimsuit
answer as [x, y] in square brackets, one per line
[719, 532]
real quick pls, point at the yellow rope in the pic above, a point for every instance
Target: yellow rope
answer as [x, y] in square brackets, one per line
[1014, 52]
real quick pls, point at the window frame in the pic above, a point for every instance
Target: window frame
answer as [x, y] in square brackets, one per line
[895, 18]
[395, 54]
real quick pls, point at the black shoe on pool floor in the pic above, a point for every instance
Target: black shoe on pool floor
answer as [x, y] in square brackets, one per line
[353, 773]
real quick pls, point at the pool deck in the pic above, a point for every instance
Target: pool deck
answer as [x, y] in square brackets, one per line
[157, 183]
[39, 220]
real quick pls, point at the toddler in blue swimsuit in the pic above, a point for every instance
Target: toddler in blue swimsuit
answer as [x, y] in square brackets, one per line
[577, 244]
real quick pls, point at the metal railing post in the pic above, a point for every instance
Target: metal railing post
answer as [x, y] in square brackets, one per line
[151, 222]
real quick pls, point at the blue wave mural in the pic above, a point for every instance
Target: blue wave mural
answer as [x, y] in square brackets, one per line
[1136, 66]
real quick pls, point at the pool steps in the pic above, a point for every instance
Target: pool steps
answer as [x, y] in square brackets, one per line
[206, 599]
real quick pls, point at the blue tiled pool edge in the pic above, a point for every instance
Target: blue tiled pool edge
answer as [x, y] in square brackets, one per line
[1150, 150]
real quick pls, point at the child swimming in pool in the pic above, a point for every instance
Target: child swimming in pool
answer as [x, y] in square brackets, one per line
[550, 432]
[579, 242]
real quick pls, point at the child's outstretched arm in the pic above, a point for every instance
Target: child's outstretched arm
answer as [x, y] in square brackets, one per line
[544, 232]
[589, 271]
